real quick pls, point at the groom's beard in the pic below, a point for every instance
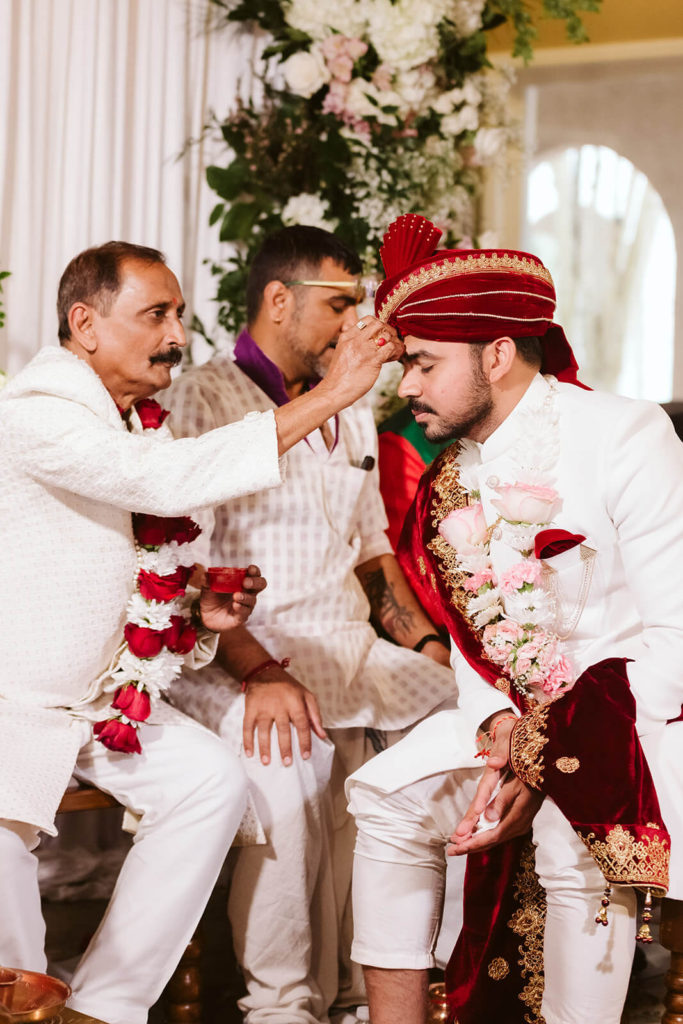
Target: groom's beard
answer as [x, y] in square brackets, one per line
[478, 408]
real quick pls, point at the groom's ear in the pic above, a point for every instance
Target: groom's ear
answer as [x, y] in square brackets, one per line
[498, 357]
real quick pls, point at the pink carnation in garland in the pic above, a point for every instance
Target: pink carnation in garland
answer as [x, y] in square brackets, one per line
[527, 572]
[479, 580]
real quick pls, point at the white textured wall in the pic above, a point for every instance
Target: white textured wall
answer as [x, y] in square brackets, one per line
[632, 106]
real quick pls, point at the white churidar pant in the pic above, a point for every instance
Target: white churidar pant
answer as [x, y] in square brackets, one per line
[398, 884]
[285, 895]
[191, 793]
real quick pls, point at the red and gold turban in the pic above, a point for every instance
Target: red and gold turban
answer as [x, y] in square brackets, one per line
[466, 295]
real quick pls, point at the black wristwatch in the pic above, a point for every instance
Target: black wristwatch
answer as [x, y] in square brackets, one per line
[427, 638]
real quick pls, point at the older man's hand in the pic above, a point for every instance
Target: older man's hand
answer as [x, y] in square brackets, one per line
[226, 611]
[361, 351]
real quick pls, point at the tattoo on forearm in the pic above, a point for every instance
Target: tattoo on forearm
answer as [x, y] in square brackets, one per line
[395, 618]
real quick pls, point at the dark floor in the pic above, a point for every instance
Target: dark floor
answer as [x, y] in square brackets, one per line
[70, 925]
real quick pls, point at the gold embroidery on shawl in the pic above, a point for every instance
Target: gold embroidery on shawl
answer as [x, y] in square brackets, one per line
[567, 764]
[449, 495]
[421, 566]
[625, 860]
[526, 744]
[503, 685]
[455, 267]
[498, 968]
[528, 921]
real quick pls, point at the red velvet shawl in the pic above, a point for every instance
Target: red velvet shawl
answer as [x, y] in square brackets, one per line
[560, 748]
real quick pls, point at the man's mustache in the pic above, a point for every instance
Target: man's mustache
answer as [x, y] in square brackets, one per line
[172, 357]
[420, 407]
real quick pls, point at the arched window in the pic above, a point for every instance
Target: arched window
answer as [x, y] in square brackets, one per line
[601, 228]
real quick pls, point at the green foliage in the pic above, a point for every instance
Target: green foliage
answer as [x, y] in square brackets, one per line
[520, 15]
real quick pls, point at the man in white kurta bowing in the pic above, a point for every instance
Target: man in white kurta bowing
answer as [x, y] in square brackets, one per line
[79, 455]
[322, 544]
[552, 540]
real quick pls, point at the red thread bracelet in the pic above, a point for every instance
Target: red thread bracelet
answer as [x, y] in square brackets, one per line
[270, 663]
[505, 718]
[487, 750]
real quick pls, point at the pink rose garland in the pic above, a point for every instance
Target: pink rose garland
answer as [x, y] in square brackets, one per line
[529, 654]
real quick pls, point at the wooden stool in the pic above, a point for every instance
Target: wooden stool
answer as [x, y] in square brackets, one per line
[182, 995]
[671, 936]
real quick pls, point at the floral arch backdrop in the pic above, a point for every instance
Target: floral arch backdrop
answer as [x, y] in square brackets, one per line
[363, 110]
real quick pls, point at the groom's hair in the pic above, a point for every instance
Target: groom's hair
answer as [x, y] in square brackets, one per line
[530, 350]
[294, 253]
[94, 277]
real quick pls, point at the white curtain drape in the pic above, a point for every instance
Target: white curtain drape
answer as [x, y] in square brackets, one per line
[98, 99]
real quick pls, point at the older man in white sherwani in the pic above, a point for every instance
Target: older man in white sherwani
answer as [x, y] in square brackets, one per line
[79, 454]
[322, 543]
[558, 525]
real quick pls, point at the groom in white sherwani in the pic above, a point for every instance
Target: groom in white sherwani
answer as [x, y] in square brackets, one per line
[550, 536]
[99, 612]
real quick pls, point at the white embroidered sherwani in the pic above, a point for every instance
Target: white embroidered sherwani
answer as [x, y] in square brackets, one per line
[618, 469]
[71, 474]
[619, 473]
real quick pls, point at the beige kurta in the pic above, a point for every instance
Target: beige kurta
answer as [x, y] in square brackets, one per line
[71, 474]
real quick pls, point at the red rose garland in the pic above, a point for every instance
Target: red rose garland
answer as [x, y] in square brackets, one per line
[158, 633]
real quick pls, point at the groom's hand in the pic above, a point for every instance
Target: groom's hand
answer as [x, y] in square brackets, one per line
[515, 807]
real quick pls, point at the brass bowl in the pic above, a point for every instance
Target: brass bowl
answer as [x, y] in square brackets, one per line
[437, 1003]
[28, 995]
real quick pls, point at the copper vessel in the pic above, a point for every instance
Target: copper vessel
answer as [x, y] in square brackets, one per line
[29, 996]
